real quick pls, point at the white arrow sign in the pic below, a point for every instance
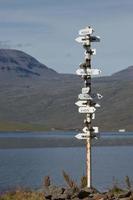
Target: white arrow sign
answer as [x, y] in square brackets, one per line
[86, 31]
[89, 72]
[81, 103]
[87, 109]
[83, 40]
[94, 129]
[97, 105]
[85, 90]
[84, 97]
[82, 136]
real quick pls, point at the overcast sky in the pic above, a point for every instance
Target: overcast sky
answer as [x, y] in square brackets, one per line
[46, 29]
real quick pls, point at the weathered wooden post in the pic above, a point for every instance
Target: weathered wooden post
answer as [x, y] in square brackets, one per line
[86, 102]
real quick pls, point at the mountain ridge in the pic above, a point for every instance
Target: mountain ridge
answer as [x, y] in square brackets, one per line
[49, 100]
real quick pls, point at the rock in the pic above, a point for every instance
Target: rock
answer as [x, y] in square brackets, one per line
[59, 197]
[53, 191]
[110, 196]
[90, 190]
[99, 196]
[83, 194]
[70, 192]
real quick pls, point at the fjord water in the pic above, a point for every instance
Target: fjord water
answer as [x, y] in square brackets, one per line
[26, 167]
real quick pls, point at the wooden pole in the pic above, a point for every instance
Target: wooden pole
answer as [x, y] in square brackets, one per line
[88, 162]
[88, 120]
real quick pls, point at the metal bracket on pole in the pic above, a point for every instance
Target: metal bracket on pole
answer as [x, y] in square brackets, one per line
[86, 102]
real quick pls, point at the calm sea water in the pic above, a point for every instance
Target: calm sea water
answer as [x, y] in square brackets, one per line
[27, 167]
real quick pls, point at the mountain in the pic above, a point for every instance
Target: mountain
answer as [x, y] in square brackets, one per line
[125, 74]
[14, 63]
[43, 98]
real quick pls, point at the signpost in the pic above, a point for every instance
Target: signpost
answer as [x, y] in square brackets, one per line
[88, 72]
[86, 104]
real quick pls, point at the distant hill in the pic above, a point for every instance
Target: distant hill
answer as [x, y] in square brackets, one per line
[33, 94]
[125, 73]
[14, 63]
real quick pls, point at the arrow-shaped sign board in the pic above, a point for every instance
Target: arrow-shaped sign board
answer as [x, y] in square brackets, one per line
[84, 97]
[87, 109]
[81, 103]
[95, 39]
[85, 90]
[89, 72]
[95, 129]
[83, 40]
[82, 136]
[86, 31]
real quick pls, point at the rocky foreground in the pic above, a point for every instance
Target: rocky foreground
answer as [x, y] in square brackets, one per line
[72, 191]
[59, 193]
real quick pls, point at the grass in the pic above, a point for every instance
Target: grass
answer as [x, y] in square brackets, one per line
[23, 195]
[27, 194]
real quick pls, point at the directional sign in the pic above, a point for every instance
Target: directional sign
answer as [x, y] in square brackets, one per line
[84, 97]
[83, 40]
[89, 72]
[94, 39]
[87, 109]
[85, 90]
[81, 103]
[86, 31]
[96, 105]
[94, 129]
[82, 136]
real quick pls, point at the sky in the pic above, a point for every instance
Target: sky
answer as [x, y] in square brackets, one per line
[46, 29]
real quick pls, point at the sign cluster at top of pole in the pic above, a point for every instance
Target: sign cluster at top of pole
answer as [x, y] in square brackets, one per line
[86, 100]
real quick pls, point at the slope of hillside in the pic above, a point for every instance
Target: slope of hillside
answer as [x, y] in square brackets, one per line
[50, 102]
[124, 74]
[19, 64]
